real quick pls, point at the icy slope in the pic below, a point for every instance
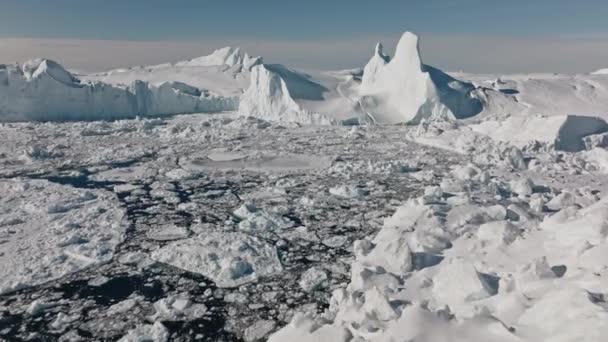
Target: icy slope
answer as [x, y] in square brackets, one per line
[403, 89]
[43, 90]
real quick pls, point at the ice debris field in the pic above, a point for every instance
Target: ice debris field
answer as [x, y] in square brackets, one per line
[226, 199]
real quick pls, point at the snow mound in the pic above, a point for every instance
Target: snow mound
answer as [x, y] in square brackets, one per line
[229, 259]
[43, 90]
[268, 97]
[403, 89]
[49, 230]
[226, 56]
[564, 132]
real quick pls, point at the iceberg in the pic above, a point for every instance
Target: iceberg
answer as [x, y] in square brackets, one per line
[404, 90]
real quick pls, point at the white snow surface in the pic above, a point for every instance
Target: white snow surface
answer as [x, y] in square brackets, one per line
[48, 231]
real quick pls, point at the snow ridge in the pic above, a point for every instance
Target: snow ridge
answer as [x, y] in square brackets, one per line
[225, 56]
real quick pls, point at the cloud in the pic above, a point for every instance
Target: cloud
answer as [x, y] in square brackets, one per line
[453, 52]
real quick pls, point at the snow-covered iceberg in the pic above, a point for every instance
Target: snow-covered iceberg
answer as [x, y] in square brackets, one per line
[269, 97]
[43, 90]
[403, 89]
[390, 91]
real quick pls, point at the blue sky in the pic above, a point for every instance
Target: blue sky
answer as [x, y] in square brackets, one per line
[328, 22]
[199, 19]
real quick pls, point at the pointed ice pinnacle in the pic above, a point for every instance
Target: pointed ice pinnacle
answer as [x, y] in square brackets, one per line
[404, 90]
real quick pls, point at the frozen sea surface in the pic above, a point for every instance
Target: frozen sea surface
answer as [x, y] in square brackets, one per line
[225, 228]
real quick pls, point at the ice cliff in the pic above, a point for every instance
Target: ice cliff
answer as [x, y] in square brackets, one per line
[43, 90]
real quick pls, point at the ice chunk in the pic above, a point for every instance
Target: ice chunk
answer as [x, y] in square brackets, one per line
[458, 281]
[256, 219]
[258, 330]
[313, 279]
[168, 233]
[348, 191]
[501, 232]
[147, 333]
[176, 308]
[229, 259]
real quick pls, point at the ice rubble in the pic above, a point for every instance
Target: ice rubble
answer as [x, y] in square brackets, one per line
[443, 269]
[49, 230]
[43, 90]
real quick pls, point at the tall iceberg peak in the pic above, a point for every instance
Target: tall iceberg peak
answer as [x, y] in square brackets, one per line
[404, 90]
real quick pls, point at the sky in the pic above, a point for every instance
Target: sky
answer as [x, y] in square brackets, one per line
[498, 36]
